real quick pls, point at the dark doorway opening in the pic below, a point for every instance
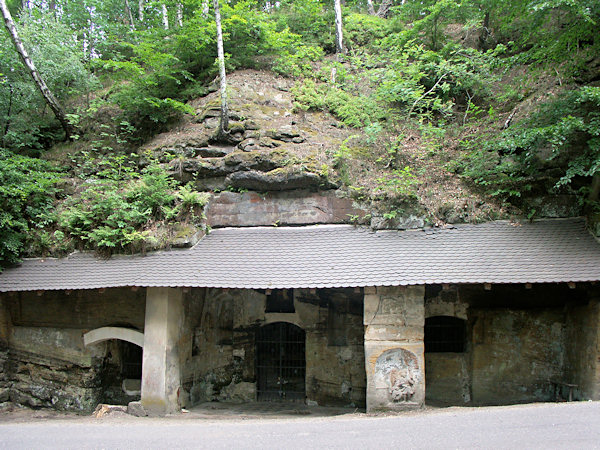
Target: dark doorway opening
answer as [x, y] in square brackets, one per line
[131, 360]
[280, 363]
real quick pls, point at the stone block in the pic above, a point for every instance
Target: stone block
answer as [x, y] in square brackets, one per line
[136, 409]
[371, 306]
[397, 333]
[395, 375]
[243, 392]
[4, 395]
[103, 410]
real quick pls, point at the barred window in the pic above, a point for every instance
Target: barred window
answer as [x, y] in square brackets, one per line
[444, 334]
[280, 301]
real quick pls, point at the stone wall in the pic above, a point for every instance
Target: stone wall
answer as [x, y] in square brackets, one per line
[521, 340]
[284, 208]
[515, 354]
[5, 328]
[394, 360]
[86, 309]
[582, 366]
[220, 360]
[47, 364]
[49, 367]
[448, 375]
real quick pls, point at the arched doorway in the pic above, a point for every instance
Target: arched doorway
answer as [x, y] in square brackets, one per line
[280, 362]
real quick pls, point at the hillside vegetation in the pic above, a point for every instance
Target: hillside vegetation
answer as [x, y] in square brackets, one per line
[441, 111]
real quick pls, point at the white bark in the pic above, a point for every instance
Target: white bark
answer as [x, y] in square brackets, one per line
[370, 7]
[165, 16]
[179, 14]
[129, 15]
[205, 8]
[224, 125]
[339, 40]
[37, 78]
[141, 10]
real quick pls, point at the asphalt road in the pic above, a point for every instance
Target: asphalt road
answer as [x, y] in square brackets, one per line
[567, 425]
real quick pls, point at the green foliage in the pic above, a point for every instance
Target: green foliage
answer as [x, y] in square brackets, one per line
[118, 209]
[398, 184]
[364, 30]
[559, 143]
[297, 61]
[564, 31]
[355, 111]
[430, 82]
[27, 187]
[309, 19]
[24, 122]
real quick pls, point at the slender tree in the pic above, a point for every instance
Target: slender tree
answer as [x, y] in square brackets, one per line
[339, 40]
[165, 16]
[141, 10]
[51, 100]
[179, 14]
[129, 15]
[370, 7]
[224, 122]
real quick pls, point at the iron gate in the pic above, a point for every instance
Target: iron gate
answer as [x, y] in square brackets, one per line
[280, 362]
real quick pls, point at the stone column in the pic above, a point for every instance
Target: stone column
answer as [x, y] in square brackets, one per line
[161, 368]
[394, 318]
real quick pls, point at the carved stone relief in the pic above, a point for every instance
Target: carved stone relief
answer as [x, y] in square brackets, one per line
[398, 371]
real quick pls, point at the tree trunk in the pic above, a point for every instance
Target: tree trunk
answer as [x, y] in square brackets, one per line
[9, 112]
[339, 40]
[141, 10]
[165, 16]
[179, 14]
[129, 15]
[224, 122]
[39, 81]
[205, 8]
[384, 8]
[370, 7]
[485, 31]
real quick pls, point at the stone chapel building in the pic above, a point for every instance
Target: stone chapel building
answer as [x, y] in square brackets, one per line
[327, 314]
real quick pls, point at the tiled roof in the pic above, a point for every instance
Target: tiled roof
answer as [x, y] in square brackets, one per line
[336, 256]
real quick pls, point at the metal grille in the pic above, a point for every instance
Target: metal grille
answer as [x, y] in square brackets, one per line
[281, 362]
[131, 360]
[445, 334]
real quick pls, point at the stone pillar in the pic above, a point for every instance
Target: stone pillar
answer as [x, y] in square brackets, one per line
[394, 318]
[161, 368]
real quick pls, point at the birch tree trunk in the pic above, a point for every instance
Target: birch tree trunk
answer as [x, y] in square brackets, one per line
[339, 40]
[38, 80]
[141, 10]
[179, 14]
[129, 15]
[205, 8]
[165, 16]
[224, 122]
[370, 7]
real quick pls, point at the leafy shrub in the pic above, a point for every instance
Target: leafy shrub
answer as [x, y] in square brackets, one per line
[397, 184]
[563, 135]
[428, 81]
[364, 30]
[118, 213]
[27, 187]
[354, 111]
